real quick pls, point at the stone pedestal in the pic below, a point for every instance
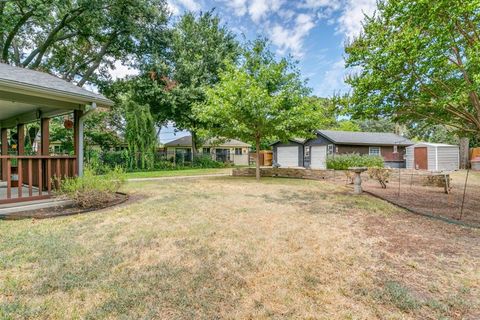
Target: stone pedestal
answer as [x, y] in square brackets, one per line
[357, 180]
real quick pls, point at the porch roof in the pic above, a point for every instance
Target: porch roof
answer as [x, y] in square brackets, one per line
[26, 95]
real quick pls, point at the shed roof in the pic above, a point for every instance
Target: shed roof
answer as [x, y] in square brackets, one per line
[431, 144]
[32, 81]
[365, 138]
[187, 142]
[294, 140]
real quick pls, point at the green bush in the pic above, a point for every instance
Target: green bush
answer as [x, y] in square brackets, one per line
[206, 161]
[114, 159]
[164, 165]
[91, 190]
[345, 161]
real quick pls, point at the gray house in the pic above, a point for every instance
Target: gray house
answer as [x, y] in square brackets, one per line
[313, 153]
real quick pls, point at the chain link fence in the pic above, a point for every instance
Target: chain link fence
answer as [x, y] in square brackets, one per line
[452, 196]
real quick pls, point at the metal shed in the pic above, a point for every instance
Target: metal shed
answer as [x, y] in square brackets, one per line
[432, 156]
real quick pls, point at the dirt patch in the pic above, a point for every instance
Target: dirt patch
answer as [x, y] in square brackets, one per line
[431, 200]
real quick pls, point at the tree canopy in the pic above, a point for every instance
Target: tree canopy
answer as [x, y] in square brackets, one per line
[259, 99]
[418, 61]
[79, 40]
[198, 50]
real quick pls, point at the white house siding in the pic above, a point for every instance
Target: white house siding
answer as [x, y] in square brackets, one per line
[448, 158]
[431, 157]
[409, 157]
[439, 157]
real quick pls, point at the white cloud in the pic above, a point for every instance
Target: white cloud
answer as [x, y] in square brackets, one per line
[333, 80]
[352, 15]
[239, 7]
[173, 8]
[292, 39]
[259, 9]
[256, 9]
[176, 6]
[120, 71]
[317, 4]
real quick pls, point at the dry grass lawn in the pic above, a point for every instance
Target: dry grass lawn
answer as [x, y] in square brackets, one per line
[232, 248]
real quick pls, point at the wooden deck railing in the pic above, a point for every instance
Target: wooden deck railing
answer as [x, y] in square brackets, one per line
[33, 177]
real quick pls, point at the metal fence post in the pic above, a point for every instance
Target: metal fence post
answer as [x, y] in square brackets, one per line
[464, 193]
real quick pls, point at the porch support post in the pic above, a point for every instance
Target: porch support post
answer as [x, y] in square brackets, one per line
[4, 138]
[77, 140]
[80, 147]
[45, 136]
[21, 139]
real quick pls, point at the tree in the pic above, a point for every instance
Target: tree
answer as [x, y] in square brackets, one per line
[199, 49]
[417, 61]
[79, 40]
[259, 99]
[140, 135]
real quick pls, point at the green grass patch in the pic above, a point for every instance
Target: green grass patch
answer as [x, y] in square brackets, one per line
[175, 173]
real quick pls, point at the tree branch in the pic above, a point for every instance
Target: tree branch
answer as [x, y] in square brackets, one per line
[8, 41]
[51, 38]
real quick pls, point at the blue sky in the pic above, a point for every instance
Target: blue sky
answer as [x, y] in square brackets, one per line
[312, 31]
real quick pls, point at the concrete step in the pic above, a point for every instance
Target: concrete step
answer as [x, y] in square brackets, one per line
[10, 208]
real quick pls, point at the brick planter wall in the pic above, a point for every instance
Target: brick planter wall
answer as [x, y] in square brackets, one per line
[298, 173]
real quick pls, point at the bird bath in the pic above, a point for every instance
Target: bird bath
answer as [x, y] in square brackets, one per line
[357, 180]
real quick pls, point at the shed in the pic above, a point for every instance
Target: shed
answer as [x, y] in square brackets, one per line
[289, 153]
[432, 156]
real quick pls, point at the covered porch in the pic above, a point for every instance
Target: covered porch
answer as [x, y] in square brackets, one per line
[29, 171]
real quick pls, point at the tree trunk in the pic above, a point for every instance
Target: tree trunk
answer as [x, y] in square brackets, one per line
[194, 144]
[257, 158]
[464, 153]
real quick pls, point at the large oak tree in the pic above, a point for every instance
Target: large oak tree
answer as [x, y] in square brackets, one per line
[418, 61]
[79, 40]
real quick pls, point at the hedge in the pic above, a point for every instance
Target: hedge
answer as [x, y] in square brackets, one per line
[345, 161]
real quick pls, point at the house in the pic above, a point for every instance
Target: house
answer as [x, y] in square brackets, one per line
[222, 150]
[313, 153]
[433, 157]
[31, 96]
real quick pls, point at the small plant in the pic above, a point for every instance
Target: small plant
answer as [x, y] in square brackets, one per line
[380, 174]
[345, 161]
[400, 296]
[93, 191]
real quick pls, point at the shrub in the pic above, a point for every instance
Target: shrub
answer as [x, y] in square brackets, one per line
[345, 161]
[114, 159]
[92, 191]
[206, 161]
[380, 174]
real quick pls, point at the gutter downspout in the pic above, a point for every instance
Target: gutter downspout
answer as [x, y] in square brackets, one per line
[80, 138]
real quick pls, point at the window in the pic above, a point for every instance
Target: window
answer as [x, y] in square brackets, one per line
[238, 151]
[206, 150]
[395, 149]
[374, 151]
[307, 152]
[330, 149]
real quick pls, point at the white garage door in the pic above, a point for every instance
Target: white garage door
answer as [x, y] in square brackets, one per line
[318, 156]
[287, 156]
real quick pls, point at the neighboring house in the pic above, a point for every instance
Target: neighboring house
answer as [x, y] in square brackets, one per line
[433, 157]
[228, 150]
[313, 153]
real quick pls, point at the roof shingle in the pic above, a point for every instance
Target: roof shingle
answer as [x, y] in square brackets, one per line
[365, 138]
[187, 142]
[47, 82]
